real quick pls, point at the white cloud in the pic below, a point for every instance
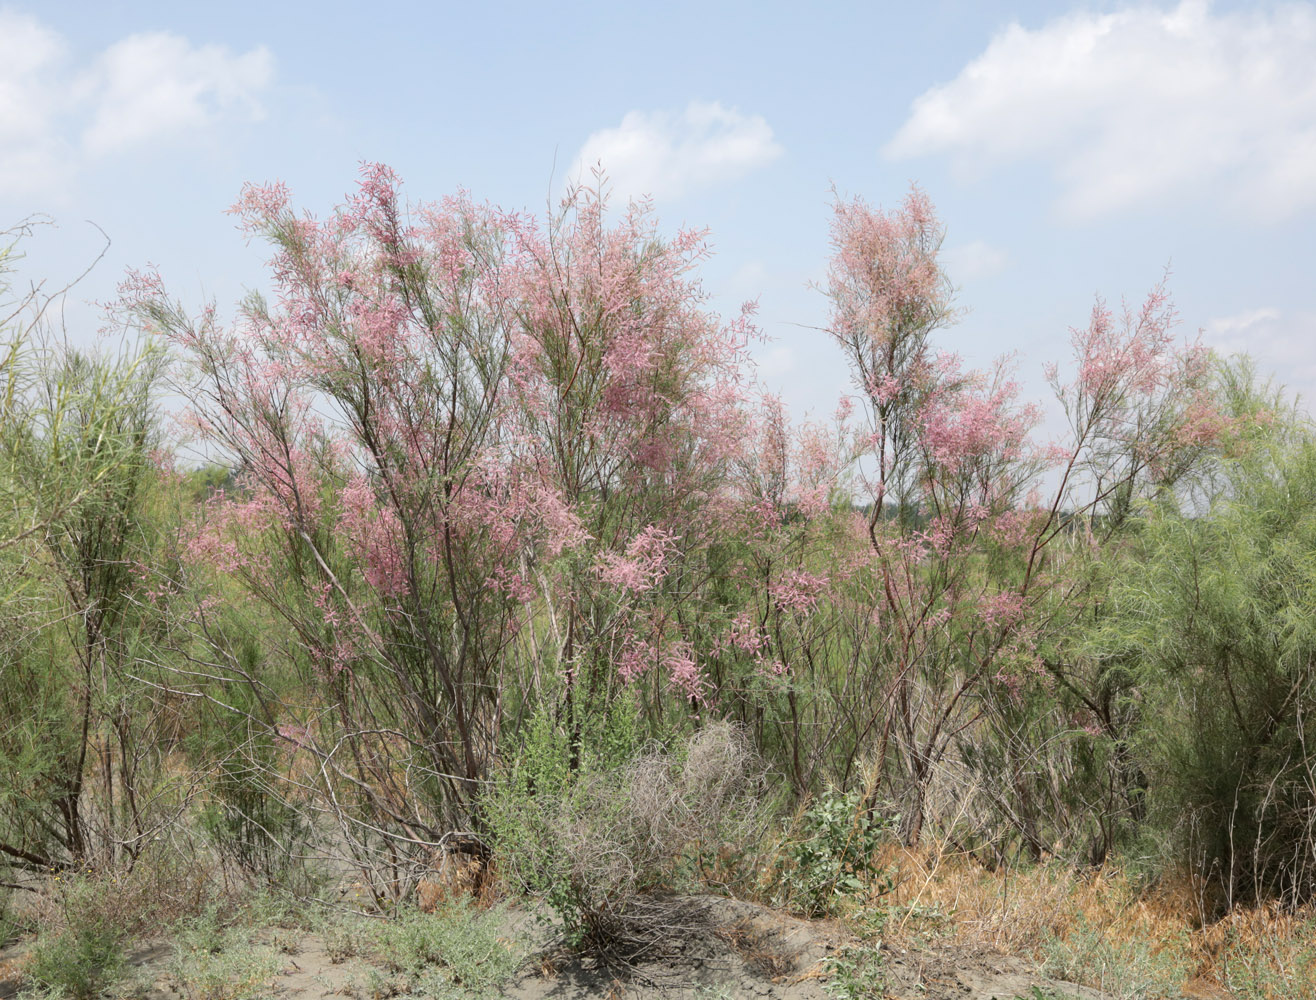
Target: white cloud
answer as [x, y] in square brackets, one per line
[666, 154]
[57, 118]
[1140, 105]
[30, 99]
[1232, 332]
[969, 261]
[152, 85]
[1283, 346]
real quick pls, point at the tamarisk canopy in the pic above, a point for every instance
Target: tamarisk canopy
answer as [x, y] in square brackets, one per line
[460, 422]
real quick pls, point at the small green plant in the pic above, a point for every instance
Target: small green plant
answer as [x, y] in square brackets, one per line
[342, 937]
[1049, 993]
[458, 951]
[1128, 969]
[287, 940]
[927, 922]
[831, 856]
[86, 956]
[856, 972]
[380, 985]
[81, 962]
[213, 962]
[714, 993]
[203, 933]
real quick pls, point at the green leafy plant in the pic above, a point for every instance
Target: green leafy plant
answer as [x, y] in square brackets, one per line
[856, 972]
[831, 856]
[81, 961]
[454, 952]
[215, 961]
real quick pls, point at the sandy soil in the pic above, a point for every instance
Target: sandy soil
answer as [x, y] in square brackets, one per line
[751, 952]
[733, 950]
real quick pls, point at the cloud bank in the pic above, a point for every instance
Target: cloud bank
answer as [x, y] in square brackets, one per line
[1140, 106]
[57, 117]
[1277, 341]
[669, 154]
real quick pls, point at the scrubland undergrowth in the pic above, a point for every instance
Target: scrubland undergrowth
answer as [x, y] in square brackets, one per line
[504, 579]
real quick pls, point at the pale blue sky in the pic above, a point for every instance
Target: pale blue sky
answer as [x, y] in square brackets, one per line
[1071, 150]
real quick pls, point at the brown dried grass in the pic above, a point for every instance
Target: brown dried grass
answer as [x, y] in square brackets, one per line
[1256, 953]
[453, 876]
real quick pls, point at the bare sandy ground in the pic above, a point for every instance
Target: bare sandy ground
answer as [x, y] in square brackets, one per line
[735, 950]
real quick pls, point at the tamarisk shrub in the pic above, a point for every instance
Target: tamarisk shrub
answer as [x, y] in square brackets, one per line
[1146, 421]
[362, 409]
[629, 414]
[1211, 642]
[784, 636]
[962, 587]
[870, 591]
[473, 451]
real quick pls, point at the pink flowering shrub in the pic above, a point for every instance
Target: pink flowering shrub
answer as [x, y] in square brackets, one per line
[937, 620]
[472, 448]
[496, 502]
[490, 467]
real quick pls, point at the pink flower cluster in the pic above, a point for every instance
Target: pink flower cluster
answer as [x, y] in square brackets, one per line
[374, 536]
[642, 565]
[978, 421]
[1004, 609]
[799, 591]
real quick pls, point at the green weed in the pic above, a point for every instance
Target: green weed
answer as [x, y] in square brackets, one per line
[831, 856]
[213, 962]
[81, 962]
[456, 952]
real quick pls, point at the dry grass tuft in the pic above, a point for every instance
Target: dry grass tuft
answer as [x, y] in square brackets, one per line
[1101, 929]
[614, 853]
[453, 875]
[160, 889]
[760, 950]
